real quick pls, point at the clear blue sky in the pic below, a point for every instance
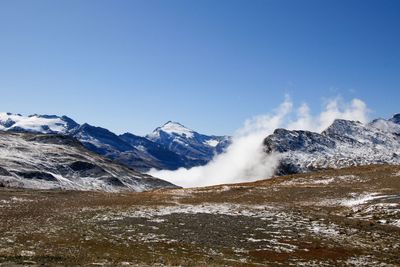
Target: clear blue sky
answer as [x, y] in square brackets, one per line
[210, 64]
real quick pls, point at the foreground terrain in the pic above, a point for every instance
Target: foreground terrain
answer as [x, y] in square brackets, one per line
[340, 217]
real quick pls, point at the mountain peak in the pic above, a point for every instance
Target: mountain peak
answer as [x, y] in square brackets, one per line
[346, 122]
[173, 123]
[341, 125]
[176, 128]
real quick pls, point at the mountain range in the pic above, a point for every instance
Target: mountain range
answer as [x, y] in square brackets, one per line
[48, 151]
[170, 146]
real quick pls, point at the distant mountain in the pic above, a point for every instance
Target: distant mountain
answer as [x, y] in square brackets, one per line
[154, 154]
[177, 147]
[197, 148]
[344, 143]
[48, 161]
[101, 140]
[37, 123]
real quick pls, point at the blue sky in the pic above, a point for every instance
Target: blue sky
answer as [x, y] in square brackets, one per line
[209, 64]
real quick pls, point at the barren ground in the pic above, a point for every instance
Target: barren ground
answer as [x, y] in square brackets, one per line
[347, 217]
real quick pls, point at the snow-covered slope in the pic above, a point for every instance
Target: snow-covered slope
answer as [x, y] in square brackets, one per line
[37, 123]
[41, 161]
[174, 128]
[391, 126]
[196, 147]
[344, 143]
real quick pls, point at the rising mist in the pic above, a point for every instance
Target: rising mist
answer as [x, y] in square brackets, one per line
[245, 160]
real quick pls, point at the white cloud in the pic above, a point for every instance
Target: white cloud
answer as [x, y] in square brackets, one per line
[335, 108]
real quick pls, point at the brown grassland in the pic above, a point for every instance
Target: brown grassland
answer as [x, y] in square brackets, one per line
[346, 217]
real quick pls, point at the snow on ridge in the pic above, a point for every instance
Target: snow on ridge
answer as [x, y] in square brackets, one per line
[34, 123]
[385, 125]
[212, 142]
[177, 128]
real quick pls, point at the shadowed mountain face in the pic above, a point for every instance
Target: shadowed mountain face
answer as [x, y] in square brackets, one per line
[157, 155]
[40, 161]
[173, 150]
[196, 148]
[343, 144]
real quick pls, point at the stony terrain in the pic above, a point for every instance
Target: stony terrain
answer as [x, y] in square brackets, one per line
[344, 143]
[346, 217]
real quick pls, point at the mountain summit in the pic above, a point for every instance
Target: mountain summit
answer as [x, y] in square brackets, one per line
[172, 128]
[197, 148]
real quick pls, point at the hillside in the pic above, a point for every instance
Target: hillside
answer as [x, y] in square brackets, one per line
[48, 161]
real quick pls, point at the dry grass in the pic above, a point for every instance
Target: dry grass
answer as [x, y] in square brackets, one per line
[282, 221]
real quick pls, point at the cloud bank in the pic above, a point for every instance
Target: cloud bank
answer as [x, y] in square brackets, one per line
[244, 160]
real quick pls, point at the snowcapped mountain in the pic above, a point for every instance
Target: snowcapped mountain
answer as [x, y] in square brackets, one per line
[344, 143]
[47, 161]
[197, 148]
[37, 123]
[177, 147]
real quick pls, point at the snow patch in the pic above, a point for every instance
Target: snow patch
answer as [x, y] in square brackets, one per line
[322, 229]
[27, 253]
[211, 142]
[397, 174]
[359, 200]
[323, 180]
[178, 129]
[33, 123]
